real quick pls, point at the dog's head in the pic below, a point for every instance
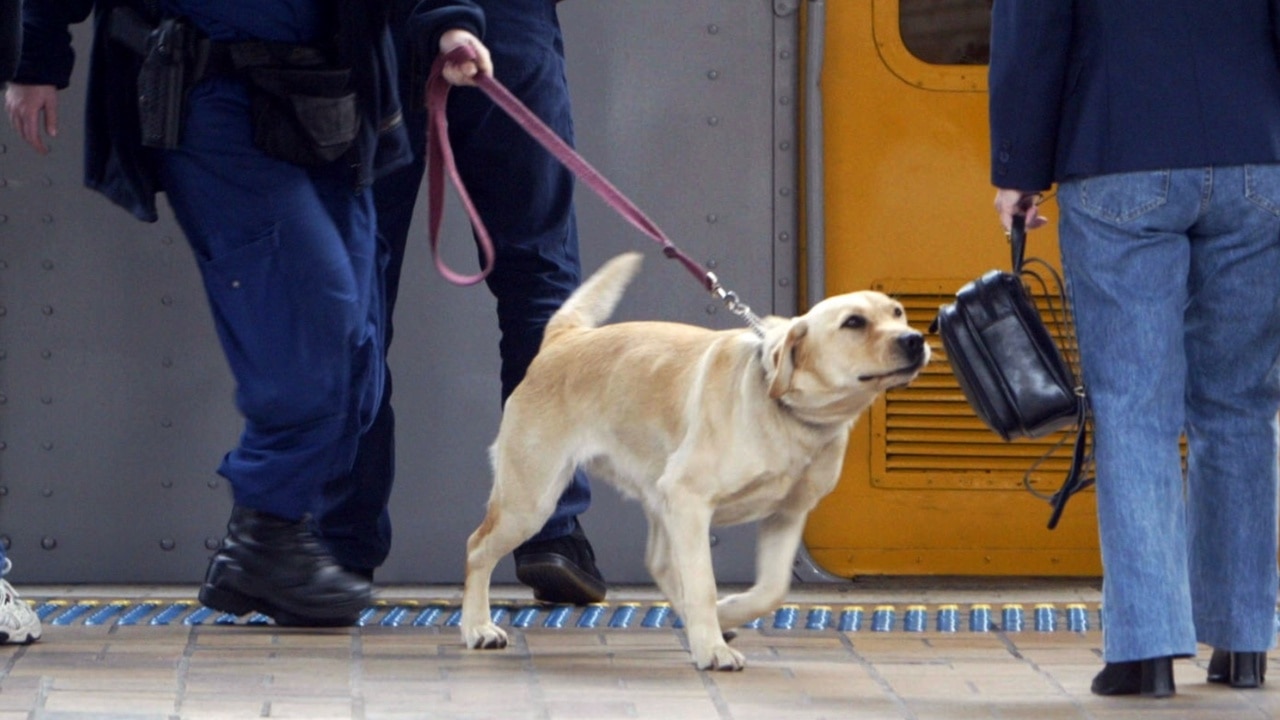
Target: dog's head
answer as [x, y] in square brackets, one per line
[831, 362]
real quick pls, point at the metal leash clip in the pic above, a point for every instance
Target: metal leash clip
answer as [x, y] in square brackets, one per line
[735, 306]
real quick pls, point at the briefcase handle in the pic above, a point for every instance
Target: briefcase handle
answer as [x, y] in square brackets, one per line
[1018, 241]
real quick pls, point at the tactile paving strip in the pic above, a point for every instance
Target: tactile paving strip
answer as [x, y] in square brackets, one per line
[911, 618]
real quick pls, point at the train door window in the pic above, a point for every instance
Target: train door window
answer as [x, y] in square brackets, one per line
[947, 32]
[938, 45]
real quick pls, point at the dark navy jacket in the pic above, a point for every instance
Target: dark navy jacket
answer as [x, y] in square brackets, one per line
[1092, 87]
[119, 167]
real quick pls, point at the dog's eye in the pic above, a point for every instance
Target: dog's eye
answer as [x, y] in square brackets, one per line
[899, 312]
[854, 322]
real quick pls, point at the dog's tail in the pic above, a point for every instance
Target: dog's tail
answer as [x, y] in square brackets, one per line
[592, 303]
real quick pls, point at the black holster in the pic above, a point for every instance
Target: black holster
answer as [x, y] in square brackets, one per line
[169, 52]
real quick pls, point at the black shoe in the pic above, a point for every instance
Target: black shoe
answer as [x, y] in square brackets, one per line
[1152, 677]
[1238, 669]
[561, 570]
[277, 567]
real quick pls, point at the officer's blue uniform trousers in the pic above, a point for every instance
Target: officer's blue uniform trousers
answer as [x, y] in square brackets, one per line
[507, 174]
[292, 273]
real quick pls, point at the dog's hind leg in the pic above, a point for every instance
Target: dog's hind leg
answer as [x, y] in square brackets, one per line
[524, 495]
[778, 541]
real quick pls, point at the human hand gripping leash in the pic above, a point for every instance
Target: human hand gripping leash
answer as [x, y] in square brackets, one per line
[440, 159]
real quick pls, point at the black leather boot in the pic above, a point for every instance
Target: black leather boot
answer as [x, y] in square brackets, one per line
[1238, 669]
[277, 567]
[1152, 678]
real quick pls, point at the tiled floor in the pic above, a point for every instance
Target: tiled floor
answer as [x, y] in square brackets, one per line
[154, 656]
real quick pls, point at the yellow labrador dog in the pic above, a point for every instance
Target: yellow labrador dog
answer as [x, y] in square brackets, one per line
[704, 428]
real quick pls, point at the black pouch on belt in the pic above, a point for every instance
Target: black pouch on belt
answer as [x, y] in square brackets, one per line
[304, 109]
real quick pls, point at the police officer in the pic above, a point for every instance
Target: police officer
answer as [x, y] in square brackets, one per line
[525, 197]
[287, 251]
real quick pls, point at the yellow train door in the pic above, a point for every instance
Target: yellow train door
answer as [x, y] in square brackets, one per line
[927, 489]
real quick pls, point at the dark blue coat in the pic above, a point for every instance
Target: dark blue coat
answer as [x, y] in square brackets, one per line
[1092, 87]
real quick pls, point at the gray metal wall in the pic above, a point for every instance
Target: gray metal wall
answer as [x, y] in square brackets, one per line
[116, 403]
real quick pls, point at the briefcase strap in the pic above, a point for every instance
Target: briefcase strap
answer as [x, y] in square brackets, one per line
[1078, 476]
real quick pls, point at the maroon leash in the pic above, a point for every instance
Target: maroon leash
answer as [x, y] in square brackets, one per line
[440, 158]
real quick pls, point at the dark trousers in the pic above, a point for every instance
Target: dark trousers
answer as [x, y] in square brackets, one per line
[292, 274]
[525, 198]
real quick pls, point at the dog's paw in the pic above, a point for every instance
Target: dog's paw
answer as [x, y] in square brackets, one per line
[720, 657]
[485, 637]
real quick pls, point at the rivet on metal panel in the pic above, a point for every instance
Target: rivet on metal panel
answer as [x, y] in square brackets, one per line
[713, 29]
[166, 300]
[167, 240]
[3, 399]
[784, 100]
[46, 492]
[166, 483]
[48, 542]
[784, 55]
[784, 146]
[784, 237]
[166, 362]
[46, 400]
[46, 181]
[784, 282]
[167, 544]
[3, 218]
[713, 74]
[3, 311]
[785, 7]
[46, 354]
[166, 422]
[212, 543]
[5, 542]
[46, 218]
[47, 310]
[711, 309]
[48, 446]
[712, 218]
[784, 192]
[213, 483]
[713, 121]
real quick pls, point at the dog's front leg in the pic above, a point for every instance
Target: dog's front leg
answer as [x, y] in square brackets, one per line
[780, 536]
[778, 541]
[688, 524]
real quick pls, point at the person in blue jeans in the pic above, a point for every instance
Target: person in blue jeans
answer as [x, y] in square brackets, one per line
[1159, 120]
[525, 197]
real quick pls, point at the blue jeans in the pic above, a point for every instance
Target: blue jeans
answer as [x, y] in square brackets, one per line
[525, 197]
[1174, 279]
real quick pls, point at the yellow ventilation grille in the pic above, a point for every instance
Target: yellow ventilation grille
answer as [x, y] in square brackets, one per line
[926, 436]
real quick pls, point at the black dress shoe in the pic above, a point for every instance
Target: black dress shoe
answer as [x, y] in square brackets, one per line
[1238, 669]
[277, 567]
[1152, 678]
[561, 570]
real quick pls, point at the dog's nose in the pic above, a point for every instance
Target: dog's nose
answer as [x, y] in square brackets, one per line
[912, 345]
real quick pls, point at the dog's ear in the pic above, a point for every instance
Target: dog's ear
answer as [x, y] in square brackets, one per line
[782, 359]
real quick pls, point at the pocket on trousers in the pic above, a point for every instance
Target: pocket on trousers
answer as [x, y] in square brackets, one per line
[1124, 197]
[243, 276]
[1262, 187]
